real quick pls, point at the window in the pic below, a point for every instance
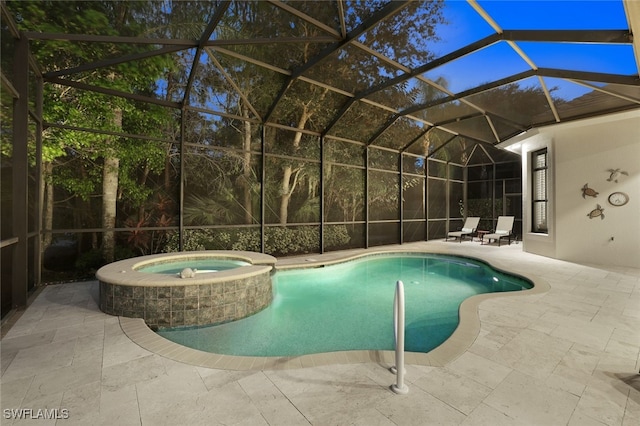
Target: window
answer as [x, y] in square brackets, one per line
[539, 199]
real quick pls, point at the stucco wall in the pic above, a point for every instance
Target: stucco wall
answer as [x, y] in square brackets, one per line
[581, 153]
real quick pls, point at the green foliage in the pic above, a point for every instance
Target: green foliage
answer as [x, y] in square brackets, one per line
[77, 155]
[279, 241]
[124, 253]
[222, 171]
[336, 237]
[192, 241]
[158, 212]
[215, 239]
[83, 183]
[484, 208]
[89, 262]
[203, 210]
[247, 240]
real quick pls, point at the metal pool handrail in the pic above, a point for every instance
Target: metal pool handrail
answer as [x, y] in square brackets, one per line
[398, 328]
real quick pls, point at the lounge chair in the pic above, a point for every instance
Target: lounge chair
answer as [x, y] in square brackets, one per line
[504, 229]
[469, 228]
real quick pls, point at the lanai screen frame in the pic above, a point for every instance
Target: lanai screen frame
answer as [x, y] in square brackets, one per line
[25, 243]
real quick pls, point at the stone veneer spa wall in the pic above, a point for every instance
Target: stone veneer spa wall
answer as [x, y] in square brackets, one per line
[170, 301]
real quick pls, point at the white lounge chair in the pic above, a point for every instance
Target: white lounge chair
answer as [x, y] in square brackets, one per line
[469, 228]
[504, 229]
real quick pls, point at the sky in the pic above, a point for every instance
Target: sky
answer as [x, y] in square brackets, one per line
[465, 25]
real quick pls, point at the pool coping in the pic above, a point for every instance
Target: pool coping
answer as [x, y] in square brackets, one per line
[461, 339]
[125, 272]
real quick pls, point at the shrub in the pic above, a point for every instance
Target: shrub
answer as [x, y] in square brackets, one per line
[89, 262]
[279, 241]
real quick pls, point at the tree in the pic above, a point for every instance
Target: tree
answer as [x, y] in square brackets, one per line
[304, 106]
[68, 105]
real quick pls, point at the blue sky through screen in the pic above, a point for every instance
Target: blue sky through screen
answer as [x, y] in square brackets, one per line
[557, 15]
[465, 25]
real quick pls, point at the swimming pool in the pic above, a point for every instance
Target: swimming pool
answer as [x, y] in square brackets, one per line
[349, 306]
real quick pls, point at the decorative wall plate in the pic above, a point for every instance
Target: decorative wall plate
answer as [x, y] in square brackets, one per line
[618, 199]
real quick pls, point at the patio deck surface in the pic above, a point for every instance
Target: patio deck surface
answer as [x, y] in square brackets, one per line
[568, 356]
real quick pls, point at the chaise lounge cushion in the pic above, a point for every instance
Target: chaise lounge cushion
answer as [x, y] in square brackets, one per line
[503, 230]
[469, 228]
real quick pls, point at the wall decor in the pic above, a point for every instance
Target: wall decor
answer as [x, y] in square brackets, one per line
[618, 199]
[588, 191]
[596, 212]
[615, 174]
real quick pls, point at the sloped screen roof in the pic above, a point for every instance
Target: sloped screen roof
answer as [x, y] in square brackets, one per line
[407, 76]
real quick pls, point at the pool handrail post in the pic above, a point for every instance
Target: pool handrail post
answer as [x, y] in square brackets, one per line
[398, 324]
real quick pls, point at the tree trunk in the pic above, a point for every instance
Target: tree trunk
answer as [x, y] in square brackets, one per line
[167, 171]
[287, 187]
[47, 203]
[142, 183]
[286, 191]
[109, 196]
[246, 170]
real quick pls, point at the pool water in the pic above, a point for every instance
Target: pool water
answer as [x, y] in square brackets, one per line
[202, 266]
[349, 306]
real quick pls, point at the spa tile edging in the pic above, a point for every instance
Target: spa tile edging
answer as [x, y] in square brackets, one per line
[191, 305]
[125, 272]
[169, 301]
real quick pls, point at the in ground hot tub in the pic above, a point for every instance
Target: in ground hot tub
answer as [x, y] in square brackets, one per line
[187, 288]
[196, 266]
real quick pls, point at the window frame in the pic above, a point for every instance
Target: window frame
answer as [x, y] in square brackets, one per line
[539, 185]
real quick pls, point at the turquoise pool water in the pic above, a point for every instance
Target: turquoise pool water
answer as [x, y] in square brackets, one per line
[349, 306]
[202, 265]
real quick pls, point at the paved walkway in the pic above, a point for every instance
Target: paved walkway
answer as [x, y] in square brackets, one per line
[569, 356]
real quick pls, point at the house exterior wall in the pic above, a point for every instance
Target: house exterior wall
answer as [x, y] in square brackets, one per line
[581, 153]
